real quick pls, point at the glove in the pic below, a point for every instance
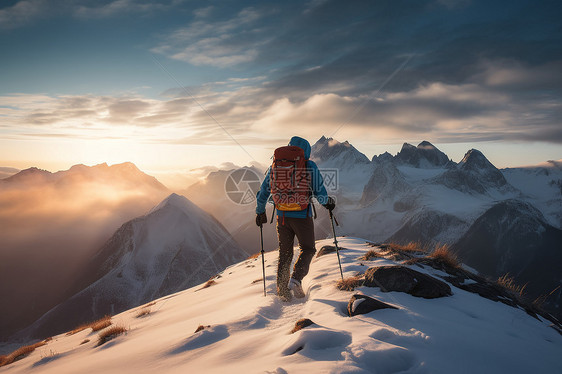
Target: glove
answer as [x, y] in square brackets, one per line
[261, 218]
[331, 204]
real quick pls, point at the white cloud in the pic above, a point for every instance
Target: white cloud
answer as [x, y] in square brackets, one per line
[117, 7]
[221, 43]
[22, 13]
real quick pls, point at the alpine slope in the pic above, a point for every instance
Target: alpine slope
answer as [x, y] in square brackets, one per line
[227, 325]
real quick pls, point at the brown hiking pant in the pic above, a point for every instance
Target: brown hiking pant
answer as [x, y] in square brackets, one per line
[287, 228]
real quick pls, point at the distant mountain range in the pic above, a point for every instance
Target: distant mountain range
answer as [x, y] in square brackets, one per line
[421, 195]
[498, 221]
[51, 223]
[175, 246]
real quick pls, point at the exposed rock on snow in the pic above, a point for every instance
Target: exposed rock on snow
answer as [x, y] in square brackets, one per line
[301, 324]
[328, 249]
[362, 304]
[403, 279]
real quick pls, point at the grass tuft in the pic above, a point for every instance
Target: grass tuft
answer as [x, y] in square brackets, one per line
[20, 353]
[110, 333]
[508, 282]
[209, 283]
[349, 284]
[143, 312]
[410, 247]
[94, 325]
[101, 323]
[444, 254]
[370, 255]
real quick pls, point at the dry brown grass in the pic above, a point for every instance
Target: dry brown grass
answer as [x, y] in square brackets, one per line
[539, 301]
[101, 323]
[506, 281]
[97, 325]
[444, 254]
[255, 255]
[410, 247]
[143, 312]
[209, 283]
[110, 333]
[349, 284]
[20, 353]
[370, 255]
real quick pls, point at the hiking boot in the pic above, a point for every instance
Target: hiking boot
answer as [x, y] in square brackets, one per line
[284, 294]
[296, 287]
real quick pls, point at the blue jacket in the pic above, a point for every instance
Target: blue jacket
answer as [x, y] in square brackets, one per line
[318, 189]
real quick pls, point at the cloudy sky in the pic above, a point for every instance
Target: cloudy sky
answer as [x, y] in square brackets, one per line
[179, 84]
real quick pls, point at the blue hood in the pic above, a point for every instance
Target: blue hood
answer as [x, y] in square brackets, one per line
[302, 143]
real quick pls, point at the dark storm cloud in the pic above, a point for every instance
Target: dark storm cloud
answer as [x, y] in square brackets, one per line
[500, 61]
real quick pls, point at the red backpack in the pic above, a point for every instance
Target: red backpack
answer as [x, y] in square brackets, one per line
[290, 180]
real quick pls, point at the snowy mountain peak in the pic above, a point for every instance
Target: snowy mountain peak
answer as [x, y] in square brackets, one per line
[425, 155]
[426, 145]
[384, 157]
[339, 154]
[176, 201]
[475, 160]
[475, 174]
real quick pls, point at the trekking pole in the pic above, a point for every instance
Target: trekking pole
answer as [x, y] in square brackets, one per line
[262, 259]
[336, 242]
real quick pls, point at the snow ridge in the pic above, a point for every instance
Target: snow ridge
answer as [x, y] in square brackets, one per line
[239, 330]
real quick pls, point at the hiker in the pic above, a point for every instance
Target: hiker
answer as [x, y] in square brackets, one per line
[291, 181]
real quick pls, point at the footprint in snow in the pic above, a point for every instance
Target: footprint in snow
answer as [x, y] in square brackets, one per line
[318, 343]
[380, 357]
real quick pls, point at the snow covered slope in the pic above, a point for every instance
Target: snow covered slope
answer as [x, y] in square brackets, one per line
[175, 246]
[541, 186]
[245, 332]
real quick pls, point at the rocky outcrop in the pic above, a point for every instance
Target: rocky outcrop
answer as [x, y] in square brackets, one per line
[403, 279]
[328, 249]
[362, 304]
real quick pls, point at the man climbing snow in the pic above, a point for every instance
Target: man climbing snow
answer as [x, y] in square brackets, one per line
[291, 181]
